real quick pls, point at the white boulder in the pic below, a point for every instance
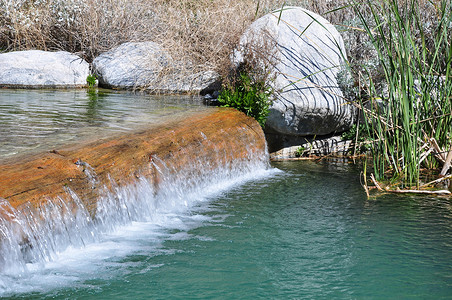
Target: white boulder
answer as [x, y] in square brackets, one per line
[130, 65]
[145, 65]
[308, 59]
[37, 69]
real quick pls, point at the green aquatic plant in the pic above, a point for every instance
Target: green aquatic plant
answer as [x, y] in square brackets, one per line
[300, 151]
[360, 137]
[91, 80]
[416, 107]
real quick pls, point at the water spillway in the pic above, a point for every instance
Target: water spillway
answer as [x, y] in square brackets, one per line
[69, 195]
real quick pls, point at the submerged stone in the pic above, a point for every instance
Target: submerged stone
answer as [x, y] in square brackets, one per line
[38, 69]
[332, 146]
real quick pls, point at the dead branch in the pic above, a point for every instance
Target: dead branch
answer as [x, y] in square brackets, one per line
[438, 192]
[446, 165]
[375, 182]
[436, 181]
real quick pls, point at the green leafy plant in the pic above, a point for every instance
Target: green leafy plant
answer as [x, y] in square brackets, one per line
[360, 137]
[300, 151]
[91, 80]
[249, 96]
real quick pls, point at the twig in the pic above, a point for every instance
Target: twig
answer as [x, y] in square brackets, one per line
[439, 153]
[375, 182]
[356, 138]
[439, 192]
[436, 181]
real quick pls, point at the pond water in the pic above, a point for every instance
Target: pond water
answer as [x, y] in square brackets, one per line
[39, 120]
[297, 230]
[289, 230]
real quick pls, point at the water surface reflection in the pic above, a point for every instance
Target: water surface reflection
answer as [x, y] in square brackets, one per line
[39, 120]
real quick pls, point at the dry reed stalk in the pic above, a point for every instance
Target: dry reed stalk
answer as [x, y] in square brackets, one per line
[446, 165]
[436, 181]
[364, 185]
[438, 192]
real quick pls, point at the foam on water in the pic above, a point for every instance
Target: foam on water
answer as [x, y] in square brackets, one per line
[61, 245]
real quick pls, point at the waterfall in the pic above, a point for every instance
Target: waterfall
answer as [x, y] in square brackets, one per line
[33, 235]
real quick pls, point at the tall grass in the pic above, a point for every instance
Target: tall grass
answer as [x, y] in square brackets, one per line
[417, 106]
[85, 27]
[199, 34]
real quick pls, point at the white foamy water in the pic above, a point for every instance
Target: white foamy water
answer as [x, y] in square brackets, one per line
[60, 245]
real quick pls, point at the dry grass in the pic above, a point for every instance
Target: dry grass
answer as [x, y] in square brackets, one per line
[203, 32]
[83, 27]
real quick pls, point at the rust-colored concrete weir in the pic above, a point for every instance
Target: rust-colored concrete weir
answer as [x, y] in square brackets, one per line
[122, 159]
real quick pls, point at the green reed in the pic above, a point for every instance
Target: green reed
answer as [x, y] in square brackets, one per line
[416, 63]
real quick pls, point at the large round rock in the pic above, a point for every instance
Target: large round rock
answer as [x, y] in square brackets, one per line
[308, 59]
[145, 65]
[36, 69]
[130, 65]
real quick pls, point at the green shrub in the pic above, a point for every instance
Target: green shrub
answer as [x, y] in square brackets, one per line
[249, 96]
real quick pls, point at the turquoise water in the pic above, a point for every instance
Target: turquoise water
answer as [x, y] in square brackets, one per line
[304, 232]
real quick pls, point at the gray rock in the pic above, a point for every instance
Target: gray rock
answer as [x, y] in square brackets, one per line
[130, 65]
[145, 65]
[177, 82]
[36, 69]
[309, 56]
[332, 146]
